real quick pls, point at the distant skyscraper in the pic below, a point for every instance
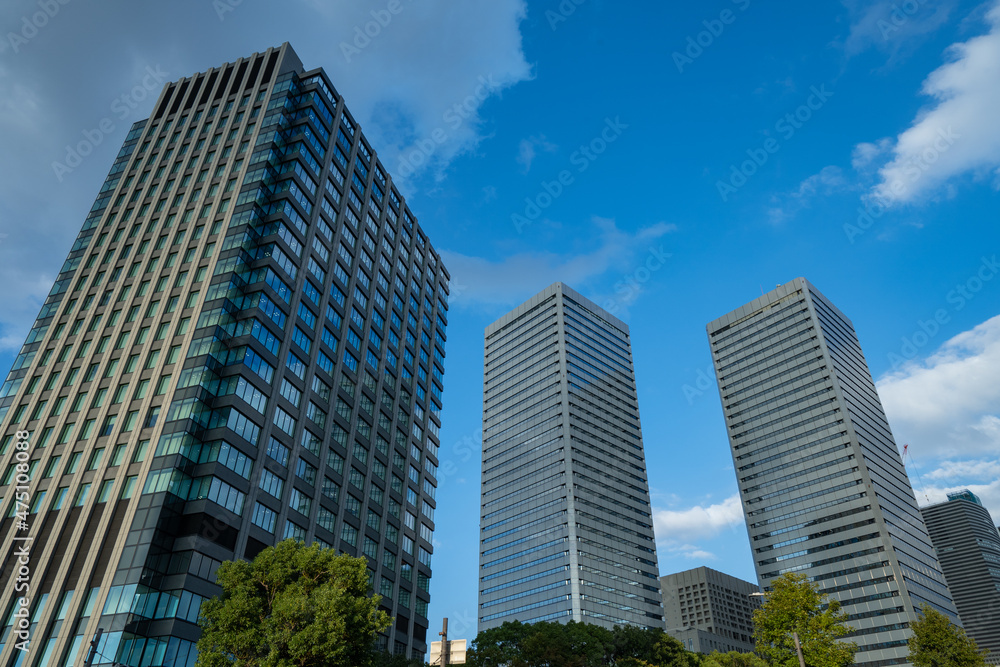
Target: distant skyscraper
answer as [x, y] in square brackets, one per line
[245, 344]
[968, 547]
[823, 486]
[707, 610]
[566, 527]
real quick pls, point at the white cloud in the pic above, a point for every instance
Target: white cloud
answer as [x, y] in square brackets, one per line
[946, 409]
[948, 404]
[958, 134]
[419, 84]
[698, 522]
[481, 281]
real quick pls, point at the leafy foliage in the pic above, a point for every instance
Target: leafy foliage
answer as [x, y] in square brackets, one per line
[936, 642]
[292, 606]
[732, 659]
[796, 605]
[515, 644]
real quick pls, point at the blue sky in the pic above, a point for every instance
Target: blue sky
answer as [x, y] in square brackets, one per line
[668, 161]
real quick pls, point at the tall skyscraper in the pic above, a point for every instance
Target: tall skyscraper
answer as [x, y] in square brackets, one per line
[968, 546]
[566, 527]
[707, 610]
[245, 344]
[823, 486]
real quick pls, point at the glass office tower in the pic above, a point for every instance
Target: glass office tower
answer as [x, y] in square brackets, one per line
[968, 546]
[823, 486]
[566, 527]
[245, 344]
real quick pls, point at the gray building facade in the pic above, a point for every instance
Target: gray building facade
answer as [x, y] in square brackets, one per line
[968, 546]
[707, 610]
[566, 526]
[244, 345]
[822, 483]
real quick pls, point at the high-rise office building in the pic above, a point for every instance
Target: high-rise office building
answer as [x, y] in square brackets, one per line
[566, 527]
[244, 345]
[968, 546]
[707, 610]
[823, 486]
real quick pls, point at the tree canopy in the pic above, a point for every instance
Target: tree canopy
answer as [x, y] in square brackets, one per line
[516, 644]
[937, 642]
[292, 606]
[795, 604]
[732, 659]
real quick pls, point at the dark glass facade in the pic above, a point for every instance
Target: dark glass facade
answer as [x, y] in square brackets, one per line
[246, 344]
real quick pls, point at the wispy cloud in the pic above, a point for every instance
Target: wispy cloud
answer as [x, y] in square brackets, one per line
[895, 28]
[966, 470]
[601, 257]
[866, 154]
[824, 183]
[527, 150]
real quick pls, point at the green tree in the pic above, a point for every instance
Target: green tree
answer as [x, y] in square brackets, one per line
[733, 659]
[669, 652]
[936, 642]
[796, 605]
[572, 644]
[634, 645]
[499, 647]
[292, 606]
